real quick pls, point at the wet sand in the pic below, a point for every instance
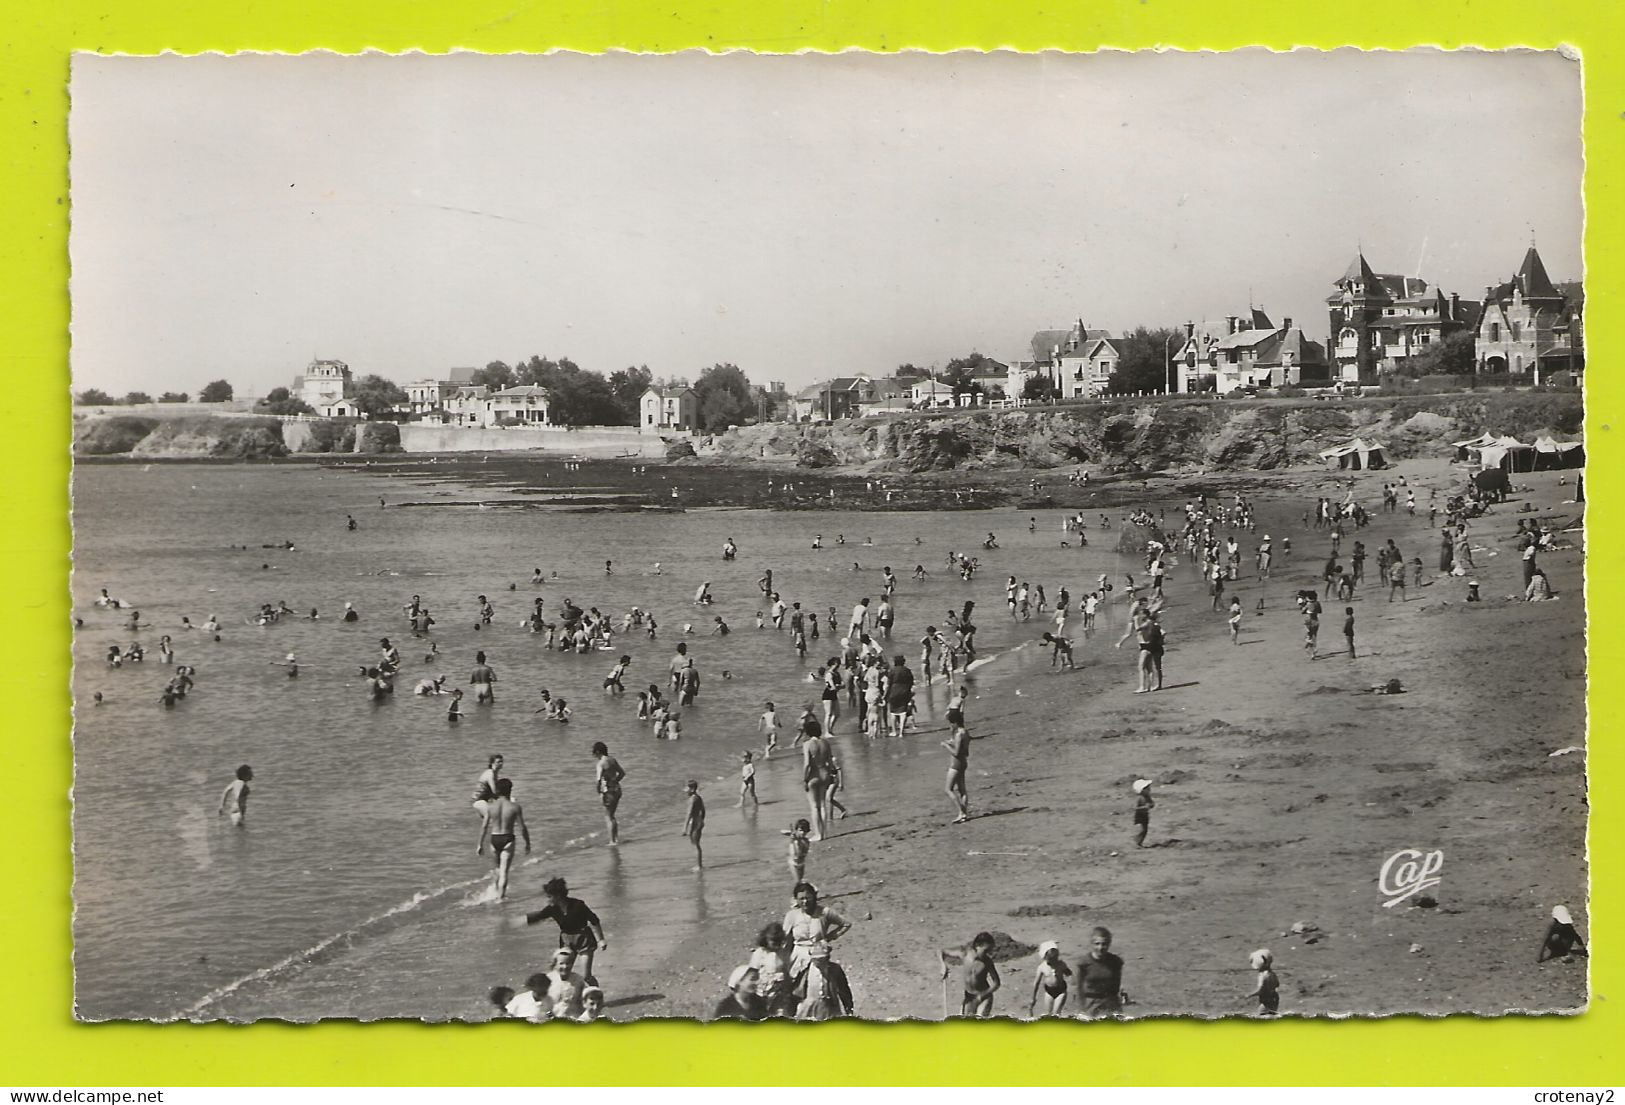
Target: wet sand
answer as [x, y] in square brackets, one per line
[1282, 787]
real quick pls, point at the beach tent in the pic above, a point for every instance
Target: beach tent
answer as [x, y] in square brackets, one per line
[1357, 453]
[1462, 447]
[1552, 452]
[1504, 452]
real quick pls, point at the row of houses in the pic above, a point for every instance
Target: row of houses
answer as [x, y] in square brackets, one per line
[455, 400]
[1528, 326]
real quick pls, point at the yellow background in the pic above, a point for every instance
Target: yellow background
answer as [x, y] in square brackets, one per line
[40, 1045]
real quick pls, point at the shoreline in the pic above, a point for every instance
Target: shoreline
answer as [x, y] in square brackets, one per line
[1240, 791]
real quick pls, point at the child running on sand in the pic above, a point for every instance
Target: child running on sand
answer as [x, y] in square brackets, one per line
[1051, 978]
[769, 723]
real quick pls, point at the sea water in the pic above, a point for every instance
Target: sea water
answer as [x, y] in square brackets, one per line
[353, 889]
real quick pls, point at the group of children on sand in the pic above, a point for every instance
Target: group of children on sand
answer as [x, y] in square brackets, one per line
[1099, 977]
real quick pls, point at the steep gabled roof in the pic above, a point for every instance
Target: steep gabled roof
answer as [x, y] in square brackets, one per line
[1045, 342]
[1532, 278]
[1303, 350]
[1084, 348]
[1357, 272]
[521, 391]
[1260, 321]
[1095, 347]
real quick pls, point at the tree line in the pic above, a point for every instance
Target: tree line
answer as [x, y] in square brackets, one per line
[577, 396]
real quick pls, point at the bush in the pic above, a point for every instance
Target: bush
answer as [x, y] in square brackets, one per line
[95, 437]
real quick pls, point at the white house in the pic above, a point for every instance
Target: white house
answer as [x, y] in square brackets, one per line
[323, 383]
[929, 394]
[1086, 367]
[669, 407]
[339, 408]
[431, 394]
[525, 403]
[465, 406]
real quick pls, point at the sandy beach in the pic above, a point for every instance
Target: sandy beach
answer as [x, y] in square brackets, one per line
[1282, 787]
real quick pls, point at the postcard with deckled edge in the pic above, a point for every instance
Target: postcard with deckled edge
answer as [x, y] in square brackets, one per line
[1083, 536]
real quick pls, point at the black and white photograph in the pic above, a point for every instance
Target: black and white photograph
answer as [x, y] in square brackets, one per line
[741, 537]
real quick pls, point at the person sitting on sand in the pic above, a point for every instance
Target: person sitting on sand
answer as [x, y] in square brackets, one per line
[531, 1003]
[742, 1002]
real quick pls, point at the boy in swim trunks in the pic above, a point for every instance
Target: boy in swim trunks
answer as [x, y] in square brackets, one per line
[502, 817]
[979, 976]
[1050, 978]
[609, 776]
[694, 822]
[235, 796]
[958, 747]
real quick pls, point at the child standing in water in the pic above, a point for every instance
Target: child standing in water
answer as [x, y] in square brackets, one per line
[1143, 805]
[747, 780]
[694, 822]
[234, 799]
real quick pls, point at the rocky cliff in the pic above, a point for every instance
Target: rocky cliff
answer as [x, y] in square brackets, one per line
[225, 437]
[1147, 436]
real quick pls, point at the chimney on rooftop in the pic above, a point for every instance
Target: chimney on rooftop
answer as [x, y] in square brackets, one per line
[1286, 323]
[1455, 306]
[1190, 328]
[1230, 324]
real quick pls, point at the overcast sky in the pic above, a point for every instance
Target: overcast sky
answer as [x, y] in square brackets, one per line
[801, 217]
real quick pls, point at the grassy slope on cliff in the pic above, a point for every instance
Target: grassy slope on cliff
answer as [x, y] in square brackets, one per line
[95, 437]
[1149, 436]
